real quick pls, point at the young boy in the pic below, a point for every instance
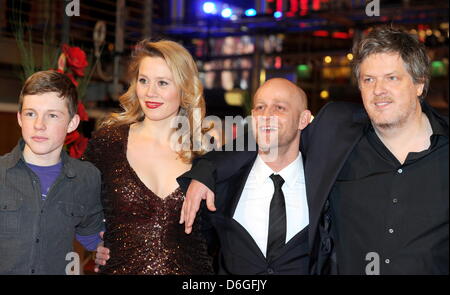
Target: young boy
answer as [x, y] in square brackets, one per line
[46, 197]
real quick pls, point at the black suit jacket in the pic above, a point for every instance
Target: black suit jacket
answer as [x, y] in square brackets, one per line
[239, 254]
[326, 144]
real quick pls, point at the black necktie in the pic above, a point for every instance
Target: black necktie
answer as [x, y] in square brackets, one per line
[277, 219]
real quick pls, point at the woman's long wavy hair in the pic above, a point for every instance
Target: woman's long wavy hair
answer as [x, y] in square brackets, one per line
[185, 74]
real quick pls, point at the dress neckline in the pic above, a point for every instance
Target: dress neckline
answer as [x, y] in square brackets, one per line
[126, 134]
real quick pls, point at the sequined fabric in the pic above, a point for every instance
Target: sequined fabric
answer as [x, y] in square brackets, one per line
[142, 230]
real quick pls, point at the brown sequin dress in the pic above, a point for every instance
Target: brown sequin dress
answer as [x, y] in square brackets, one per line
[142, 230]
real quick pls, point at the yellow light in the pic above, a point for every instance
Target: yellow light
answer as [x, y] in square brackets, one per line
[324, 94]
[262, 77]
[350, 56]
[429, 32]
[327, 59]
[422, 34]
[234, 97]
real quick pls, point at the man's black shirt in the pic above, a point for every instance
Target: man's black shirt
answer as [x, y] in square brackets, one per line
[397, 213]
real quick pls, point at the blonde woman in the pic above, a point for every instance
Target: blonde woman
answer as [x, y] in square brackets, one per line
[135, 152]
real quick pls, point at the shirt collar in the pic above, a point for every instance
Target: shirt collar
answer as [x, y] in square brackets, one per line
[437, 122]
[291, 173]
[16, 156]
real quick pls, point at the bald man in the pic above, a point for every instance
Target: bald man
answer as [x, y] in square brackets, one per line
[261, 215]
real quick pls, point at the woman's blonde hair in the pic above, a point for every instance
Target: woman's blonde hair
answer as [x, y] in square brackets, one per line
[185, 74]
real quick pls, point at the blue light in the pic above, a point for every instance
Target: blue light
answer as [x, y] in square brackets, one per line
[227, 12]
[278, 14]
[250, 12]
[209, 7]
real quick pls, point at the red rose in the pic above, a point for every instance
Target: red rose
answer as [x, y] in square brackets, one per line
[77, 149]
[72, 137]
[78, 72]
[82, 112]
[76, 59]
[72, 78]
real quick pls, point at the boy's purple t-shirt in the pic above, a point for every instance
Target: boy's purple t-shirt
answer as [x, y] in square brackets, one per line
[47, 176]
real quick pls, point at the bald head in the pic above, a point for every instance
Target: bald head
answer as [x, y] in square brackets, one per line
[282, 89]
[279, 114]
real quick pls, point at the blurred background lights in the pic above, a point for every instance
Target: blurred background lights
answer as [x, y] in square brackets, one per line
[278, 14]
[250, 12]
[438, 69]
[324, 94]
[227, 12]
[304, 71]
[209, 7]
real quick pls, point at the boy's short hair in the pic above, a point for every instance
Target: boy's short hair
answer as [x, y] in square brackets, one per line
[51, 81]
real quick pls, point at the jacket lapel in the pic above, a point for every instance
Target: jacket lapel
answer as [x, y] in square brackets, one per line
[237, 185]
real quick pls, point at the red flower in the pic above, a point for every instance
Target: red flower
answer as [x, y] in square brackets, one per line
[77, 149]
[76, 59]
[82, 112]
[78, 71]
[72, 78]
[72, 137]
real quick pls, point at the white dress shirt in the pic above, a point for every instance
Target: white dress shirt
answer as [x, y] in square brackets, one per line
[252, 211]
